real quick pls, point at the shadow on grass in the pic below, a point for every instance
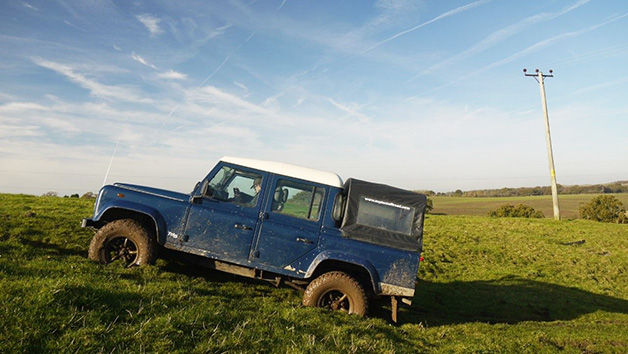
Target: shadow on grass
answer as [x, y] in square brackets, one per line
[508, 300]
[54, 249]
[191, 269]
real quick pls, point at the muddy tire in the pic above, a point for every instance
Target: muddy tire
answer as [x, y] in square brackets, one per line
[336, 291]
[123, 240]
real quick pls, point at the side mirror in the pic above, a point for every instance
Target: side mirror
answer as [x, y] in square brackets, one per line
[205, 188]
[199, 193]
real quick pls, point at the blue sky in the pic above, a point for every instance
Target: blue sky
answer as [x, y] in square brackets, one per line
[416, 94]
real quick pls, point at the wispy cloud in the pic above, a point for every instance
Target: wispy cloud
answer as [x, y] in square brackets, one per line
[615, 51]
[282, 4]
[391, 11]
[540, 45]
[226, 60]
[218, 97]
[221, 30]
[503, 34]
[596, 87]
[28, 119]
[29, 6]
[60, 125]
[437, 18]
[531, 49]
[242, 86]
[8, 97]
[142, 61]
[12, 107]
[73, 26]
[172, 75]
[96, 89]
[215, 71]
[352, 110]
[19, 130]
[176, 106]
[151, 23]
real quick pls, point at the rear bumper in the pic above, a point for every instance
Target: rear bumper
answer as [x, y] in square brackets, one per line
[394, 290]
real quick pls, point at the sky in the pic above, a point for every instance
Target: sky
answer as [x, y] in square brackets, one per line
[422, 95]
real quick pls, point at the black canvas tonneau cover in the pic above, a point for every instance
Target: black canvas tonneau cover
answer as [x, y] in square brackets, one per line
[383, 215]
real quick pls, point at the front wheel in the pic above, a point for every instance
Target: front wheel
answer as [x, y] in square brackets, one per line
[336, 291]
[126, 241]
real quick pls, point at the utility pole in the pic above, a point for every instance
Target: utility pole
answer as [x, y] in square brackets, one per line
[539, 76]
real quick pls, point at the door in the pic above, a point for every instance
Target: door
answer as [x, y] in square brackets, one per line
[292, 221]
[223, 223]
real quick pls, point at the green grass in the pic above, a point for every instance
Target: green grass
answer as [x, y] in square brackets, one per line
[569, 204]
[486, 285]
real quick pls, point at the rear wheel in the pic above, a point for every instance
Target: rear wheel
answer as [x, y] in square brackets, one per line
[126, 241]
[336, 291]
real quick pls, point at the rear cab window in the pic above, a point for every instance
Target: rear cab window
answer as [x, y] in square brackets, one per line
[298, 199]
[385, 215]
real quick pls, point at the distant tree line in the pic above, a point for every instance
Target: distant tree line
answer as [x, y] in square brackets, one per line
[88, 195]
[615, 187]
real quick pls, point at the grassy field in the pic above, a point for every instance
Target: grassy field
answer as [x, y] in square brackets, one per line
[486, 285]
[569, 204]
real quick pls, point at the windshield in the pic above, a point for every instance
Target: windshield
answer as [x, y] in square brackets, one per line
[235, 185]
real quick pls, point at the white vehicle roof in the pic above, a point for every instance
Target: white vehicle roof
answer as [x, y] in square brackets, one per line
[308, 174]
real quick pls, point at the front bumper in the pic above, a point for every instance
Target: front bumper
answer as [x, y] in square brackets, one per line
[89, 223]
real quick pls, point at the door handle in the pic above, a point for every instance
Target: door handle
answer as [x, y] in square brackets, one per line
[242, 227]
[304, 240]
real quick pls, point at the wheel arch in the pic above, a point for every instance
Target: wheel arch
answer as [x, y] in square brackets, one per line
[358, 268]
[148, 218]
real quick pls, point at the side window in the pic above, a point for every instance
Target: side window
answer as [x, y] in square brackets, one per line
[297, 199]
[235, 185]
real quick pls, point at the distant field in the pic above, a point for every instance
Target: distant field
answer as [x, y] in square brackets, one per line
[487, 285]
[569, 204]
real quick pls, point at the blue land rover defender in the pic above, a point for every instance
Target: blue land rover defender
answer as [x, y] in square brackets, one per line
[339, 243]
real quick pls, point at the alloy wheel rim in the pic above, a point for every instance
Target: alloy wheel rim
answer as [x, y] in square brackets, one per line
[335, 300]
[122, 248]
